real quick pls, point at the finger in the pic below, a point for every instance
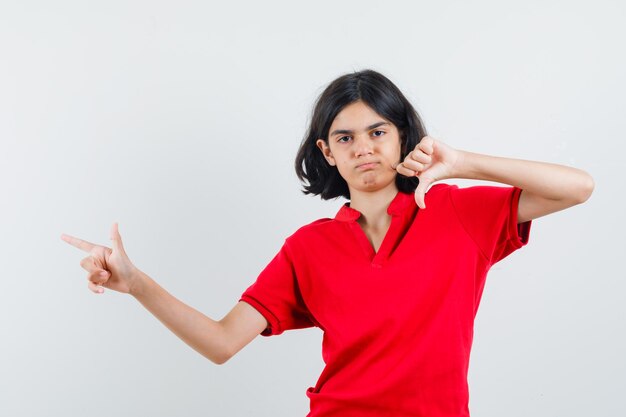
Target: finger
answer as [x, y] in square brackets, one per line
[99, 277]
[116, 238]
[420, 191]
[95, 260]
[401, 169]
[420, 156]
[79, 243]
[90, 264]
[427, 145]
[414, 165]
[95, 288]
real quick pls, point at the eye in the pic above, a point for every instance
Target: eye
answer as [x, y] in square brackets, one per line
[341, 139]
[382, 132]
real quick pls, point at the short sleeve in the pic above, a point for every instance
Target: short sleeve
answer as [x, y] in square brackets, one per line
[276, 295]
[489, 215]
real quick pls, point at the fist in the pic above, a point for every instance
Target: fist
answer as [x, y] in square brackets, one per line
[430, 161]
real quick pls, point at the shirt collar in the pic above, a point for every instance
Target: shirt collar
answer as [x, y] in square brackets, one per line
[398, 205]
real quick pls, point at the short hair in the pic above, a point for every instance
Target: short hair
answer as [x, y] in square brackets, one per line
[379, 93]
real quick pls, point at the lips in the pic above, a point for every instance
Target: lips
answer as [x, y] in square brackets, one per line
[367, 165]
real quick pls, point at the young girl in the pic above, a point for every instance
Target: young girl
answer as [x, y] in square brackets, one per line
[395, 279]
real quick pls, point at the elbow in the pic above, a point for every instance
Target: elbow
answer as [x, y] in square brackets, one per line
[223, 356]
[219, 359]
[585, 188]
[225, 351]
[220, 351]
[222, 347]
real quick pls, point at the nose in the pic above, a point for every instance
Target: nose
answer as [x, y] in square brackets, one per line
[363, 145]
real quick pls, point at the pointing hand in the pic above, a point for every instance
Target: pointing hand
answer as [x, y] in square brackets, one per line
[107, 267]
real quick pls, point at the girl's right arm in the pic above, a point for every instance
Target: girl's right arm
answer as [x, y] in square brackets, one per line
[216, 340]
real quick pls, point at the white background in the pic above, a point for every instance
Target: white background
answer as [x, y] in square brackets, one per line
[181, 120]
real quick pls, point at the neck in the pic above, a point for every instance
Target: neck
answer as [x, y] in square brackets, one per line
[373, 206]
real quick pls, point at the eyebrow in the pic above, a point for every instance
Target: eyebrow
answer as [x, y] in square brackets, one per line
[344, 131]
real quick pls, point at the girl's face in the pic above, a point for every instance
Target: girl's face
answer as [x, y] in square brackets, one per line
[363, 146]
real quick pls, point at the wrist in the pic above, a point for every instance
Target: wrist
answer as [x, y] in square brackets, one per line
[137, 283]
[460, 169]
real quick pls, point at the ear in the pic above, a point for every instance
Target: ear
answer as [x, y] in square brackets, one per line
[323, 146]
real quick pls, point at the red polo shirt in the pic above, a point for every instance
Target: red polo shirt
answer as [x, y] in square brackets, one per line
[398, 324]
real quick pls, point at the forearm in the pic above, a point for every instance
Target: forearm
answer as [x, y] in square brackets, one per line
[203, 334]
[550, 181]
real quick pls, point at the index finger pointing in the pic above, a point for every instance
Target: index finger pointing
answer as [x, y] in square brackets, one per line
[79, 243]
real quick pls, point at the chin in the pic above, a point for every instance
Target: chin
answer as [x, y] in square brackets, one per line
[373, 186]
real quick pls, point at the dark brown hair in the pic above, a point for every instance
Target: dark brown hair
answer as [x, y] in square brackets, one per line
[379, 93]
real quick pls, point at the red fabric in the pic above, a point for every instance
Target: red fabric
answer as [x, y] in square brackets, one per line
[398, 324]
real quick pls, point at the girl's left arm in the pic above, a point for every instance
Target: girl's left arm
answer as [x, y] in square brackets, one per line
[547, 187]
